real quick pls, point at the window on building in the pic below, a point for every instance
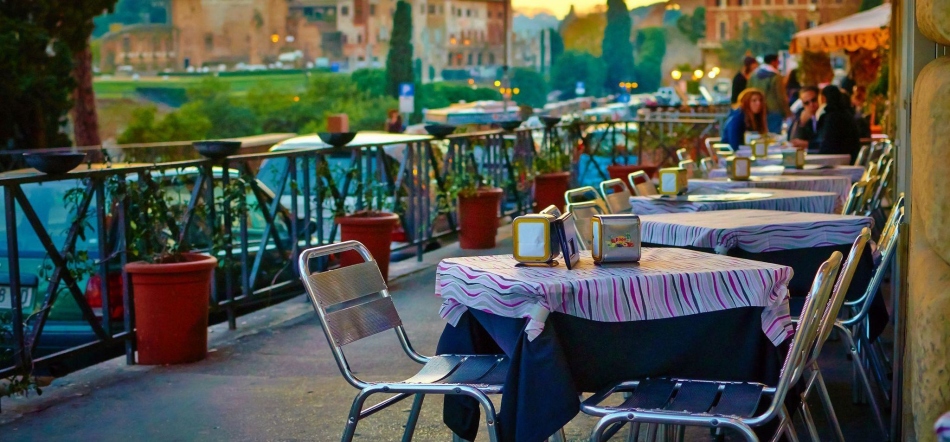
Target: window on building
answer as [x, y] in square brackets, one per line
[768, 2]
[126, 44]
[343, 38]
[209, 42]
[372, 10]
[811, 24]
[470, 59]
[359, 38]
[488, 14]
[814, 2]
[740, 2]
[479, 58]
[491, 58]
[468, 12]
[722, 30]
[344, 10]
[431, 9]
[458, 12]
[450, 58]
[441, 9]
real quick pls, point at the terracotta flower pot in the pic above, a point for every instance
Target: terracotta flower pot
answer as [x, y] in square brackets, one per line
[171, 309]
[621, 171]
[478, 218]
[375, 231]
[549, 189]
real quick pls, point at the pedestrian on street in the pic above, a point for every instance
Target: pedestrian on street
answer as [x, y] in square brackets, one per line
[769, 80]
[741, 80]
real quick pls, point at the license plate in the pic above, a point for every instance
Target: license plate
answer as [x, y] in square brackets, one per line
[6, 301]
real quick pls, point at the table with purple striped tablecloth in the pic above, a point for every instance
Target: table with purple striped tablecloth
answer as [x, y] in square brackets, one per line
[852, 172]
[755, 231]
[836, 184]
[818, 159]
[762, 199]
[666, 283]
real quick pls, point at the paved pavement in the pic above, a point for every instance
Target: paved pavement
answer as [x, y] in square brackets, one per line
[275, 379]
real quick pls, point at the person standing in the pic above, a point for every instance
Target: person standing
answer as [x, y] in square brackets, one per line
[803, 131]
[394, 122]
[749, 115]
[769, 80]
[741, 80]
[792, 86]
[837, 132]
[863, 122]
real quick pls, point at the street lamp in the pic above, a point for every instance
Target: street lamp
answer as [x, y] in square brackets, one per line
[698, 73]
[676, 74]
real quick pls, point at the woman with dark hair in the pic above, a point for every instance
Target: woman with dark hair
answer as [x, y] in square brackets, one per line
[749, 115]
[792, 86]
[837, 132]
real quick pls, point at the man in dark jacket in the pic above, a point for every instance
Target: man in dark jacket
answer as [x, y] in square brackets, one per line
[741, 80]
[769, 80]
[804, 128]
[837, 133]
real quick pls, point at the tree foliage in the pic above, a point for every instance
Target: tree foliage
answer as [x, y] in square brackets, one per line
[532, 89]
[557, 44]
[651, 48]
[693, 26]
[870, 4]
[585, 33]
[617, 50]
[767, 34]
[573, 67]
[399, 60]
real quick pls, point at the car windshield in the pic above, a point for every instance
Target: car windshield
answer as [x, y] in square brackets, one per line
[49, 201]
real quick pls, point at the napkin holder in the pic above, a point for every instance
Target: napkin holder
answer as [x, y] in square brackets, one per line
[739, 168]
[794, 159]
[616, 238]
[673, 181]
[535, 239]
[760, 148]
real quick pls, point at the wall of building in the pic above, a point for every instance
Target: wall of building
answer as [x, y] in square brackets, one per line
[144, 47]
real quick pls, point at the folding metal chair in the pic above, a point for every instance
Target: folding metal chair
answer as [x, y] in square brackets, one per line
[815, 380]
[551, 210]
[707, 165]
[616, 195]
[716, 404]
[710, 142]
[853, 204]
[585, 194]
[682, 154]
[583, 214]
[641, 184]
[724, 150]
[862, 158]
[856, 329]
[690, 167]
[353, 303]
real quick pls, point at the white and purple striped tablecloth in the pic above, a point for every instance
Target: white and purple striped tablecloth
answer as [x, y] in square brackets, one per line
[818, 159]
[852, 172]
[666, 283]
[778, 199]
[942, 428]
[836, 184]
[755, 231]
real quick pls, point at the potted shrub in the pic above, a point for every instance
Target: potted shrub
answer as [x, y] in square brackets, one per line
[477, 206]
[371, 225]
[170, 282]
[553, 177]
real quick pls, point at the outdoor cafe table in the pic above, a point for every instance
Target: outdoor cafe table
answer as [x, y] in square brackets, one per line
[731, 199]
[677, 312]
[801, 241]
[852, 172]
[818, 159]
[836, 184]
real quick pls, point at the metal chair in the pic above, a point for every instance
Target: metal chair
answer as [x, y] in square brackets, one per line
[856, 330]
[690, 167]
[710, 142]
[353, 303]
[724, 150]
[583, 215]
[858, 192]
[616, 195]
[682, 154]
[814, 378]
[551, 210]
[585, 194]
[707, 165]
[641, 184]
[718, 404]
[862, 158]
[883, 182]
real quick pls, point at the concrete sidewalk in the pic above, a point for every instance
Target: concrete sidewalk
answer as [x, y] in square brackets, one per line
[275, 379]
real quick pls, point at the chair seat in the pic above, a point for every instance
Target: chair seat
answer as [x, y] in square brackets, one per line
[485, 372]
[727, 399]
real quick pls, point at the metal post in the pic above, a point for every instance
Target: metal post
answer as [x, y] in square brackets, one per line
[103, 253]
[16, 302]
[127, 301]
[228, 242]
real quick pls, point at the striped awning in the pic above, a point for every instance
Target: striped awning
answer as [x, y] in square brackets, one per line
[866, 30]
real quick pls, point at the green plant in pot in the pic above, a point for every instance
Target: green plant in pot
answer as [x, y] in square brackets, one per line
[477, 204]
[170, 280]
[553, 165]
[372, 224]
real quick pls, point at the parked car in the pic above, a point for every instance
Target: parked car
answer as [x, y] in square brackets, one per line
[65, 327]
[666, 96]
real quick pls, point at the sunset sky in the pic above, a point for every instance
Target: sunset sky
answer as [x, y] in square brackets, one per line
[560, 7]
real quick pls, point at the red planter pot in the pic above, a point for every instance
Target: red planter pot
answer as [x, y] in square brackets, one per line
[621, 171]
[171, 309]
[549, 190]
[478, 218]
[375, 231]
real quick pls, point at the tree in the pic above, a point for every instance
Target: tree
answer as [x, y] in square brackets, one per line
[557, 45]
[767, 34]
[372, 81]
[573, 67]
[585, 33]
[399, 59]
[693, 26]
[617, 49]
[651, 48]
[870, 4]
[532, 89]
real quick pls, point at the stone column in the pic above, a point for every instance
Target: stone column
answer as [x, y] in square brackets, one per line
[928, 309]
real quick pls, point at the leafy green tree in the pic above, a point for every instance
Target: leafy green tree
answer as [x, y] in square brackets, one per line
[617, 49]
[229, 117]
[693, 26]
[870, 4]
[766, 34]
[651, 48]
[372, 81]
[572, 67]
[532, 89]
[399, 60]
[557, 45]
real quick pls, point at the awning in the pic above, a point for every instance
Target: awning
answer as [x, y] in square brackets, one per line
[866, 30]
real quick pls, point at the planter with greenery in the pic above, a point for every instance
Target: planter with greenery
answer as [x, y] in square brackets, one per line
[371, 225]
[477, 205]
[553, 177]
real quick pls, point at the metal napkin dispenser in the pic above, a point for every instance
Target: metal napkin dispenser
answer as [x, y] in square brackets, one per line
[536, 239]
[760, 147]
[739, 168]
[794, 159]
[616, 238]
[673, 180]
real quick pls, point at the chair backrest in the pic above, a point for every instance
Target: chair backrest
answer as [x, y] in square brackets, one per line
[583, 214]
[707, 165]
[351, 302]
[585, 194]
[862, 158]
[887, 246]
[551, 210]
[683, 154]
[806, 333]
[724, 150]
[880, 187]
[710, 142]
[641, 184]
[616, 195]
[840, 292]
[689, 166]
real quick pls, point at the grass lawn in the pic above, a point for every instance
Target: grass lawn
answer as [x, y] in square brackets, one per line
[114, 88]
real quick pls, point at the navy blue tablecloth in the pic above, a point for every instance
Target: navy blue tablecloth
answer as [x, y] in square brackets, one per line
[574, 355]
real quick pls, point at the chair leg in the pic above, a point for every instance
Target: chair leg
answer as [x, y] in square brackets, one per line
[809, 421]
[597, 434]
[634, 434]
[350, 430]
[651, 432]
[786, 426]
[869, 392]
[829, 409]
[558, 436]
[413, 417]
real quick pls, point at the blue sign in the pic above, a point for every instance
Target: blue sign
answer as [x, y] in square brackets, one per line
[580, 85]
[407, 89]
[624, 98]
[335, 67]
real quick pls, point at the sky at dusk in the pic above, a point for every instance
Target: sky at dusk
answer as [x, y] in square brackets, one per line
[560, 7]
